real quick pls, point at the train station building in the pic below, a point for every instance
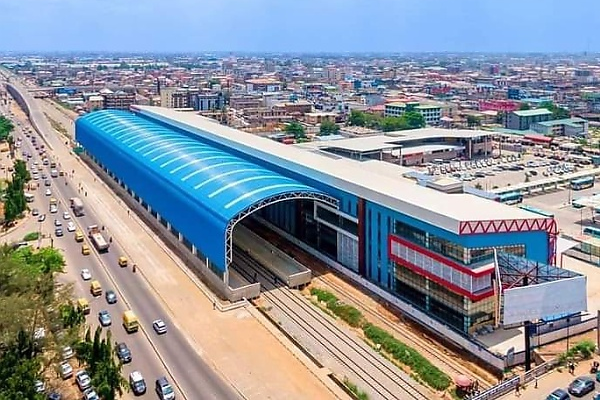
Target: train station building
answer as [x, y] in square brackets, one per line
[200, 180]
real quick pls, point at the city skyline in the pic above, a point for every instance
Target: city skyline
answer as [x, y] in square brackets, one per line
[309, 26]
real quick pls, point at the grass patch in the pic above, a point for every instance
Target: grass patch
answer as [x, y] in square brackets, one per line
[31, 236]
[422, 368]
[359, 394]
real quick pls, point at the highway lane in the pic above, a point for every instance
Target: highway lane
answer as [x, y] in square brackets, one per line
[192, 374]
[144, 357]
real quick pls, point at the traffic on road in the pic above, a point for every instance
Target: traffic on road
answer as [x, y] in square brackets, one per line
[157, 354]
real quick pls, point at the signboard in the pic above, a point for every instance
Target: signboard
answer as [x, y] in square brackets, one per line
[530, 303]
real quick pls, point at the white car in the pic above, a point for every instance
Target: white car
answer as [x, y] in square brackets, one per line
[83, 380]
[159, 326]
[66, 370]
[86, 275]
[67, 352]
[48, 192]
[71, 227]
[66, 215]
[40, 387]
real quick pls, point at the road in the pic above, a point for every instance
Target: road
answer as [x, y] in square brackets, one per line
[170, 354]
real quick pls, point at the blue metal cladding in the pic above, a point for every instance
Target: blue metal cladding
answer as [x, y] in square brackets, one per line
[193, 185]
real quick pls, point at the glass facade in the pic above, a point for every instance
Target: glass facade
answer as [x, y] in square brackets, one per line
[453, 251]
[451, 308]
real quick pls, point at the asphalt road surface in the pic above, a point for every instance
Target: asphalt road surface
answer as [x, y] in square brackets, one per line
[168, 355]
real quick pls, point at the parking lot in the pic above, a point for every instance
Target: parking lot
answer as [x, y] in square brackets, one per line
[511, 169]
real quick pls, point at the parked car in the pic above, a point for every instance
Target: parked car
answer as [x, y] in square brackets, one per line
[66, 370]
[35, 212]
[559, 394]
[83, 380]
[582, 386]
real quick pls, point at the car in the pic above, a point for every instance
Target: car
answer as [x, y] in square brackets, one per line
[581, 386]
[86, 275]
[47, 182]
[35, 212]
[83, 380]
[66, 370]
[90, 394]
[53, 209]
[123, 352]
[40, 386]
[159, 326]
[67, 352]
[104, 318]
[137, 383]
[111, 297]
[66, 215]
[596, 396]
[55, 396]
[164, 390]
[57, 222]
[44, 176]
[71, 227]
[58, 231]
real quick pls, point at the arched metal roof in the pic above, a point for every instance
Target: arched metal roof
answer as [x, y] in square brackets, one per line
[224, 185]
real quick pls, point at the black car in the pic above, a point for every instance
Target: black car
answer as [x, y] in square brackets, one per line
[35, 212]
[123, 352]
[582, 386]
[111, 297]
[58, 232]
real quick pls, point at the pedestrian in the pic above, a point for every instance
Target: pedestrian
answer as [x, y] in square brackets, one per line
[85, 194]
[536, 382]
[518, 389]
[214, 305]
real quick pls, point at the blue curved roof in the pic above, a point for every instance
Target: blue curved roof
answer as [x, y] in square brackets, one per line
[195, 174]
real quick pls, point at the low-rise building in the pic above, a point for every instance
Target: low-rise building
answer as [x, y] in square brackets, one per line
[562, 127]
[431, 113]
[95, 103]
[523, 119]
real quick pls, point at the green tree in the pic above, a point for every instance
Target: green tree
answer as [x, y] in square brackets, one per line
[414, 119]
[6, 127]
[357, 118]
[296, 129]
[524, 107]
[389, 124]
[473, 121]
[328, 128]
[557, 112]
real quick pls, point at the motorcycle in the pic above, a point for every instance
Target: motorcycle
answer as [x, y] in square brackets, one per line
[594, 368]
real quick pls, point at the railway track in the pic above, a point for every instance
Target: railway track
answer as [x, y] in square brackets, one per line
[430, 350]
[383, 378]
[445, 363]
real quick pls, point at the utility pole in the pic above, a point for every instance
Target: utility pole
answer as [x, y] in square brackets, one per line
[527, 325]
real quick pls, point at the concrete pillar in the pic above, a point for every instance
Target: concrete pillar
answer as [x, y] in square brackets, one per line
[180, 237]
[169, 226]
[194, 251]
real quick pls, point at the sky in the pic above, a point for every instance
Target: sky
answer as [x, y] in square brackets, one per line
[300, 25]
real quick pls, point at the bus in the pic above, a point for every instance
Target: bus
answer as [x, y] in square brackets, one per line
[537, 211]
[590, 230]
[511, 198]
[582, 183]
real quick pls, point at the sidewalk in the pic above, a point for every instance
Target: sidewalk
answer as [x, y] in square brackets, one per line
[235, 343]
[558, 378]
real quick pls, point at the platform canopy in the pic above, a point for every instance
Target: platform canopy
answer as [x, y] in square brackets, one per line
[202, 190]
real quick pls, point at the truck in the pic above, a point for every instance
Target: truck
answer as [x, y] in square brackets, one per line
[97, 239]
[77, 206]
[130, 321]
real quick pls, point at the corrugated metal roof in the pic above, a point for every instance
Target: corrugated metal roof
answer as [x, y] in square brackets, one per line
[439, 209]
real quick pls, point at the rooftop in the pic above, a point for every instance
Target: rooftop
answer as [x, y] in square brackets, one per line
[565, 121]
[364, 179]
[417, 106]
[532, 113]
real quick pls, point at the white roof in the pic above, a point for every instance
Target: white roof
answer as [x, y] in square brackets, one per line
[359, 178]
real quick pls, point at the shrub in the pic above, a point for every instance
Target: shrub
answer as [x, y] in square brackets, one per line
[347, 313]
[408, 356]
[359, 394]
[31, 236]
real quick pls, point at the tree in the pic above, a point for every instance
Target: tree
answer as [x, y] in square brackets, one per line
[472, 121]
[414, 120]
[328, 128]
[524, 107]
[557, 112]
[296, 129]
[6, 127]
[389, 124]
[357, 118]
